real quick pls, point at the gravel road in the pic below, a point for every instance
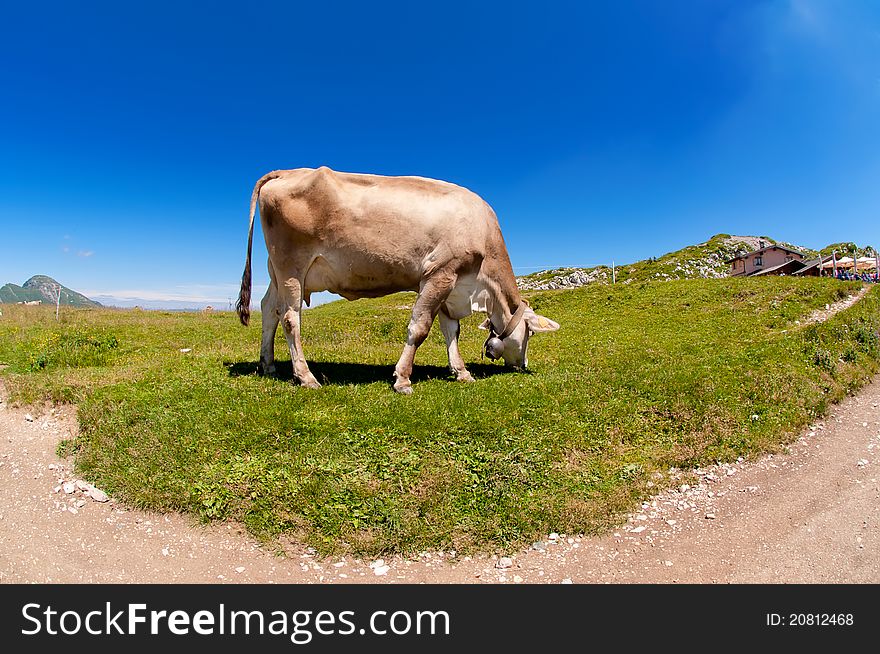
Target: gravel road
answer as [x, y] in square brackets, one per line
[810, 515]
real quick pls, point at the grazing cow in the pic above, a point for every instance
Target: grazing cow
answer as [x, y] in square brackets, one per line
[369, 236]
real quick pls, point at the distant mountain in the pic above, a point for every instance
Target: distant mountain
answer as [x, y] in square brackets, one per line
[695, 261]
[40, 288]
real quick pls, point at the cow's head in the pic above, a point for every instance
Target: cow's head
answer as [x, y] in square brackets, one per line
[513, 348]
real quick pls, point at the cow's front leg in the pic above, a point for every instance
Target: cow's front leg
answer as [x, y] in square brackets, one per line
[426, 306]
[292, 302]
[419, 326]
[271, 318]
[451, 328]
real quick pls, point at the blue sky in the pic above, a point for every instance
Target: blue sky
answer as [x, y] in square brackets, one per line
[131, 136]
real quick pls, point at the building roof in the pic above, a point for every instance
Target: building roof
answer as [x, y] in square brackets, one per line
[812, 263]
[764, 249]
[794, 263]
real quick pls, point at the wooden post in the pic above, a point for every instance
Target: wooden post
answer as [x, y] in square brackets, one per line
[613, 273]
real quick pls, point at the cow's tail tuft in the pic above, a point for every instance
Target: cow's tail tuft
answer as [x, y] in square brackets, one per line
[243, 305]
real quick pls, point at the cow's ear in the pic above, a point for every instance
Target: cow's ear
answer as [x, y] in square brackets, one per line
[486, 324]
[538, 323]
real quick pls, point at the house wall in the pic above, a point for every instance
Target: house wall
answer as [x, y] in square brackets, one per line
[770, 257]
[737, 268]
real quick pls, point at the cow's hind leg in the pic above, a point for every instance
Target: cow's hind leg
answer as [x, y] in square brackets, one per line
[271, 317]
[432, 294]
[451, 329]
[290, 293]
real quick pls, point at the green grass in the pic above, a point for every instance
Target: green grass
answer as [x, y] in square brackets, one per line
[641, 377]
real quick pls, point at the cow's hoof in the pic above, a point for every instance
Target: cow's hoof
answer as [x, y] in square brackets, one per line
[310, 383]
[403, 390]
[267, 371]
[464, 377]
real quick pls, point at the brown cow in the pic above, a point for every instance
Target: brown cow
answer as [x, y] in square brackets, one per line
[369, 236]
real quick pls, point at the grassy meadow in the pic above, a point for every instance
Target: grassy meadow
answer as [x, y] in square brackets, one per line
[642, 377]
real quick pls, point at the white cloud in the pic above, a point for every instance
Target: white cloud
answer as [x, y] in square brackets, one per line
[217, 294]
[84, 253]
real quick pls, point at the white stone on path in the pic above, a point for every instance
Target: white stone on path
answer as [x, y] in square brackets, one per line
[97, 494]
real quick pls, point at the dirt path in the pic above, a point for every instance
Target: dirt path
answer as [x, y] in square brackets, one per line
[812, 515]
[821, 315]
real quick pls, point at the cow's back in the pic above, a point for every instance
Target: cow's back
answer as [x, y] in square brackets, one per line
[365, 235]
[419, 203]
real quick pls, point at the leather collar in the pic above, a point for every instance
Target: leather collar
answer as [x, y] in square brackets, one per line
[513, 322]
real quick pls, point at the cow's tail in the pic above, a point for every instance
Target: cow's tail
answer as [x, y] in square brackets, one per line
[243, 306]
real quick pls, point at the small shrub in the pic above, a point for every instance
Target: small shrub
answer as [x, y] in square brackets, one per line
[75, 349]
[823, 359]
[867, 337]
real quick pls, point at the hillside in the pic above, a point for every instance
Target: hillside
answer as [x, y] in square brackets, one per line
[702, 261]
[846, 248]
[638, 381]
[39, 288]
